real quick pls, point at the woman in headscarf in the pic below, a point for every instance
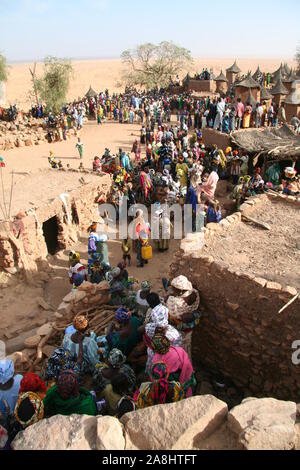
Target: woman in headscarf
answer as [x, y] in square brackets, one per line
[160, 390]
[83, 347]
[67, 397]
[29, 409]
[177, 361]
[120, 289]
[208, 188]
[125, 335]
[105, 372]
[158, 320]
[61, 359]
[183, 309]
[142, 305]
[32, 383]
[9, 383]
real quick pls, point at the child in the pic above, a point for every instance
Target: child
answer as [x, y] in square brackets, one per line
[126, 247]
[213, 213]
[79, 146]
[96, 164]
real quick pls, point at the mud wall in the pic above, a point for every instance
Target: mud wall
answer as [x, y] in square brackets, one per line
[241, 332]
[24, 236]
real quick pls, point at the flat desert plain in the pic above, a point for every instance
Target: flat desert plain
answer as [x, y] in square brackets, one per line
[102, 74]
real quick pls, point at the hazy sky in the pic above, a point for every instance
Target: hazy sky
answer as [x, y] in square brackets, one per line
[32, 29]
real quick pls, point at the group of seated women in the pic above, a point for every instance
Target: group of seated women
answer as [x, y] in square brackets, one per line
[139, 362]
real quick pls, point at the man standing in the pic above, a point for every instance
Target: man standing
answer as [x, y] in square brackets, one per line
[281, 114]
[219, 117]
[240, 109]
[79, 147]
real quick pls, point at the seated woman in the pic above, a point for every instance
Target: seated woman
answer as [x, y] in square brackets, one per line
[29, 409]
[183, 308]
[120, 289]
[114, 392]
[158, 319]
[67, 397]
[81, 346]
[125, 335]
[9, 383]
[177, 361]
[142, 305]
[105, 372]
[32, 383]
[61, 359]
[213, 214]
[160, 390]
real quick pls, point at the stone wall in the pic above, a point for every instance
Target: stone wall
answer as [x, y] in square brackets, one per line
[27, 231]
[202, 86]
[211, 137]
[241, 332]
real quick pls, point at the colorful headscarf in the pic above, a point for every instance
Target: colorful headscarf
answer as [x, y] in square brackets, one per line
[32, 383]
[37, 404]
[68, 384]
[80, 323]
[160, 344]
[122, 315]
[7, 371]
[60, 360]
[146, 285]
[116, 358]
[159, 375]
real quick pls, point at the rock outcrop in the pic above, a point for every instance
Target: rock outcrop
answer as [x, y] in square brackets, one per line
[72, 433]
[265, 424]
[179, 425]
[197, 423]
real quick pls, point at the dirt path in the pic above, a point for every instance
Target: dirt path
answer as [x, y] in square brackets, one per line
[20, 310]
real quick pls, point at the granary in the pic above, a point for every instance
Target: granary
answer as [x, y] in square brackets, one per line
[222, 83]
[257, 75]
[265, 95]
[91, 93]
[292, 104]
[242, 89]
[232, 73]
[289, 80]
[278, 74]
[251, 99]
[44, 223]
[279, 91]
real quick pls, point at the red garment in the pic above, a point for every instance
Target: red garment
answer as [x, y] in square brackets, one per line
[32, 383]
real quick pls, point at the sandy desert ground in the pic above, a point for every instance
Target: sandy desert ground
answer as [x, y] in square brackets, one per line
[102, 74]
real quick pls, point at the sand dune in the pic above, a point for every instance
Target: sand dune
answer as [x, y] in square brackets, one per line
[102, 74]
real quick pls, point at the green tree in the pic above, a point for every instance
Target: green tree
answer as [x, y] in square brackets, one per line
[151, 65]
[3, 69]
[53, 86]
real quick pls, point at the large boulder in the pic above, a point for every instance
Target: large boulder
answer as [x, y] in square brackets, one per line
[72, 433]
[181, 425]
[264, 424]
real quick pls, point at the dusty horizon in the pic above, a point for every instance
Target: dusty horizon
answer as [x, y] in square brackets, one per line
[106, 73]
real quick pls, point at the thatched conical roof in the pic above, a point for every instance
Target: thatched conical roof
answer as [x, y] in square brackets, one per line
[278, 74]
[251, 99]
[234, 68]
[265, 94]
[91, 93]
[249, 82]
[221, 78]
[293, 98]
[257, 74]
[287, 69]
[279, 89]
[290, 78]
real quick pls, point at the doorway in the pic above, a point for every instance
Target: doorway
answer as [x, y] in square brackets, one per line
[50, 232]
